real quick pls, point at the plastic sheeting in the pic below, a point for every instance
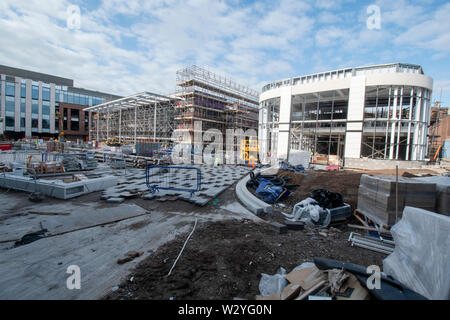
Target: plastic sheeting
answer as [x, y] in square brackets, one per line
[299, 157]
[270, 193]
[309, 212]
[421, 259]
[270, 284]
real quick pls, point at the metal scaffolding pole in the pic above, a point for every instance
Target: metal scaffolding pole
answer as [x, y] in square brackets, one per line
[154, 124]
[133, 118]
[399, 124]
[120, 125]
[409, 124]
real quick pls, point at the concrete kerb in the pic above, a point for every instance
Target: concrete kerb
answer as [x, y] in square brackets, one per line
[251, 202]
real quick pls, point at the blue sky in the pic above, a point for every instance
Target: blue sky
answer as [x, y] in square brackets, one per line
[124, 47]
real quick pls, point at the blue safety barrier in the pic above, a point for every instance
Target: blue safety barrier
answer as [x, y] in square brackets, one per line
[155, 187]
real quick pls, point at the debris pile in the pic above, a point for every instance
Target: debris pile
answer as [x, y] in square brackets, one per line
[321, 208]
[270, 188]
[372, 243]
[284, 165]
[327, 279]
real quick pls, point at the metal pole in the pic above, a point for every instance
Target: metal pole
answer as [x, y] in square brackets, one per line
[98, 124]
[135, 123]
[409, 123]
[387, 123]
[154, 125]
[120, 125]
[399, 124]
[396, 193]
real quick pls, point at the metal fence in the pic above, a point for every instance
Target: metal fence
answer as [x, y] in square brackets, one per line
[20, 156]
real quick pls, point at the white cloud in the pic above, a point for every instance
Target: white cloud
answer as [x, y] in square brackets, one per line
[433, 34]
[128, 46]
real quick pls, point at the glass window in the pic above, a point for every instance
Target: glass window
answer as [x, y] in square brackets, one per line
[70, 98]
[311, 111]
[45, 108]
[22, 105]
[34, 123]
[74, 115]
[35, 92]
[23, 90]
[22, 122]
[34, 107]
[9, 121]
[45, 94]
[96, 101]
[10, 89]
[74, 125]
[9, 107]
[45, 124]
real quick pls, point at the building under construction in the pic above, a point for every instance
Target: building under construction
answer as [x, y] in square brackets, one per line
[145, 117]
[216, 101]
[439, 131]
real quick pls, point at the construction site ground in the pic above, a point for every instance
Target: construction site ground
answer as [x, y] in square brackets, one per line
[224, 258]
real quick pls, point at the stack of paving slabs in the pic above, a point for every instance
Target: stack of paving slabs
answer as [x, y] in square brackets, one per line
[310, 282]
[70, 163]
[376, 197]
[442, 192]
[91, 163]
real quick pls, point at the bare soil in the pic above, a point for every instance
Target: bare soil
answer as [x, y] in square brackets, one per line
[344, 182]
[223, 260]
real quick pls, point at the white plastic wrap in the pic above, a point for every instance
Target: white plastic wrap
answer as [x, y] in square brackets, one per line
[421, 259]
[269, 285]
[297, 157]
[309, 212]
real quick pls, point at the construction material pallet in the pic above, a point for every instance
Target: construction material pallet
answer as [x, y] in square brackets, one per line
[369, 225]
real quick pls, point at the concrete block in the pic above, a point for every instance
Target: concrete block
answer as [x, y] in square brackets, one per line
[278, 227]
[294, 225]
[115, 200]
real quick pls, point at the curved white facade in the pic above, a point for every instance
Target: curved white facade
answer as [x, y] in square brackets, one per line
[380, 112]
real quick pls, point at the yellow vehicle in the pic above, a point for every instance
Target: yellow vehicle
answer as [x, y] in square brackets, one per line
[249, 150]
[113, 142]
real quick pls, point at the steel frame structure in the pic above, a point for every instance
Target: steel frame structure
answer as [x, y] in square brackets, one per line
[144, 115]
[217, 101]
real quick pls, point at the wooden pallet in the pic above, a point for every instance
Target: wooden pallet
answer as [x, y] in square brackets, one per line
[361, 217]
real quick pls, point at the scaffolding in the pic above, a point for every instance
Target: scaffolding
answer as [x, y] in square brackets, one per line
[141, 117]
[217, 101]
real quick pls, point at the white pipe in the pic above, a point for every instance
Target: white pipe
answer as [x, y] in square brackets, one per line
[182, 249]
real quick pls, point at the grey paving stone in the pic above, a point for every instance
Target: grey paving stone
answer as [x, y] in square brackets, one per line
[149, 196]
[115, 200]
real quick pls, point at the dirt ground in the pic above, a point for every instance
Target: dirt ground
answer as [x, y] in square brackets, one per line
[344, 182]
[223, 260]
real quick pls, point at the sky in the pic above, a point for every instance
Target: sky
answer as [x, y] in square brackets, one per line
[125, 47]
